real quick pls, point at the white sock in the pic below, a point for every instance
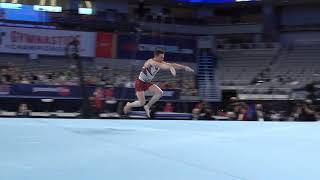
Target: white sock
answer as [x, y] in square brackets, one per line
[136, 104]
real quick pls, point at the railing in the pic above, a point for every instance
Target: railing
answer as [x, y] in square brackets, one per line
[248, 89]
[266, 90]
[214, 20]
[248, 46]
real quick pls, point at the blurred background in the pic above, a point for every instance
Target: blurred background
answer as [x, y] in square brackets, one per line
[254, 60]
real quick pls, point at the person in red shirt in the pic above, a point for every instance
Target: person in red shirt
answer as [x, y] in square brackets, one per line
[168, 107]
[108, 92]
[98, 98]
[198, 109]
[111, 102]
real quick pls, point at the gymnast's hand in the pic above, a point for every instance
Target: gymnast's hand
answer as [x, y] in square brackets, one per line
[188, 69]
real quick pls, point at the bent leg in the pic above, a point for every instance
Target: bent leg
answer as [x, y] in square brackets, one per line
[139, 103]
[158, 93]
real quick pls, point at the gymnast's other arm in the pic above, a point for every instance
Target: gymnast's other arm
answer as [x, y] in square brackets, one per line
[164, 66]
[172, 67]
[180, 66]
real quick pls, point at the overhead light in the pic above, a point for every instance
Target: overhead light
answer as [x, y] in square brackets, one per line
[10, 6]
[87, 11]
[47, 8]
[47, 100]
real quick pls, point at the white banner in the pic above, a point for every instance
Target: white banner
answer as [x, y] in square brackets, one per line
[263, 97]
[44, 41]
[167, 48]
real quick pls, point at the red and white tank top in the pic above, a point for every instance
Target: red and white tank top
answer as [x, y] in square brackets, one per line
[147, 74]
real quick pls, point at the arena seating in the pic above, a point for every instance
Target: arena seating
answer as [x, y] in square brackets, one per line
[297, 67]
[294, 68]
[62, 71]
[270, 70]
[238, 67]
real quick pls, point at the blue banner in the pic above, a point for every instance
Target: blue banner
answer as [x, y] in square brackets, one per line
[130, 93]
[17, 12]
[142, 47]
[73, 92]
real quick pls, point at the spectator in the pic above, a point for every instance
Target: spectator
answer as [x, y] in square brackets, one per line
[98, 99]
[25, 81]
[260, 113]
[197, 109]
[235, 110]
[221, 113]
[201, 111]
[307, 111]
[110, 99]
[318, 116]
[23, 110]
[251, 113]
[93, 108]
[242, 112]
[168, 107]
[275, 115]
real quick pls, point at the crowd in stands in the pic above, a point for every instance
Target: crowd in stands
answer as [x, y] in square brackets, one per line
[264, 69]
[236, 109]
[95, 75]
[13, 74]
[99, 75]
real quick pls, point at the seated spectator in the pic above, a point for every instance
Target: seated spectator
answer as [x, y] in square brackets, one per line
[231, 108]
[251, 112]
[110, 99]
[96, 105]
[168, 107]
[24, 81]
[201, 111]
[275, 115]
[308, 112]
[242, 112]
[98, 98]
[23, 110]
[222, 113]
[260, 112]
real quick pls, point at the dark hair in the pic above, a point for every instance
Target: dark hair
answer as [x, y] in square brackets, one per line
[158, 52]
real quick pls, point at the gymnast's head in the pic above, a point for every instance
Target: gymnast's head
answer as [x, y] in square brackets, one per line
[159, 55]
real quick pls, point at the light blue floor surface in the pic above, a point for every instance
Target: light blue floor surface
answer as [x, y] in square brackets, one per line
[57, 149]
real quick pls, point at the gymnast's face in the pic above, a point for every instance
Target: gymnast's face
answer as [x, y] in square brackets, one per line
[159, 57]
